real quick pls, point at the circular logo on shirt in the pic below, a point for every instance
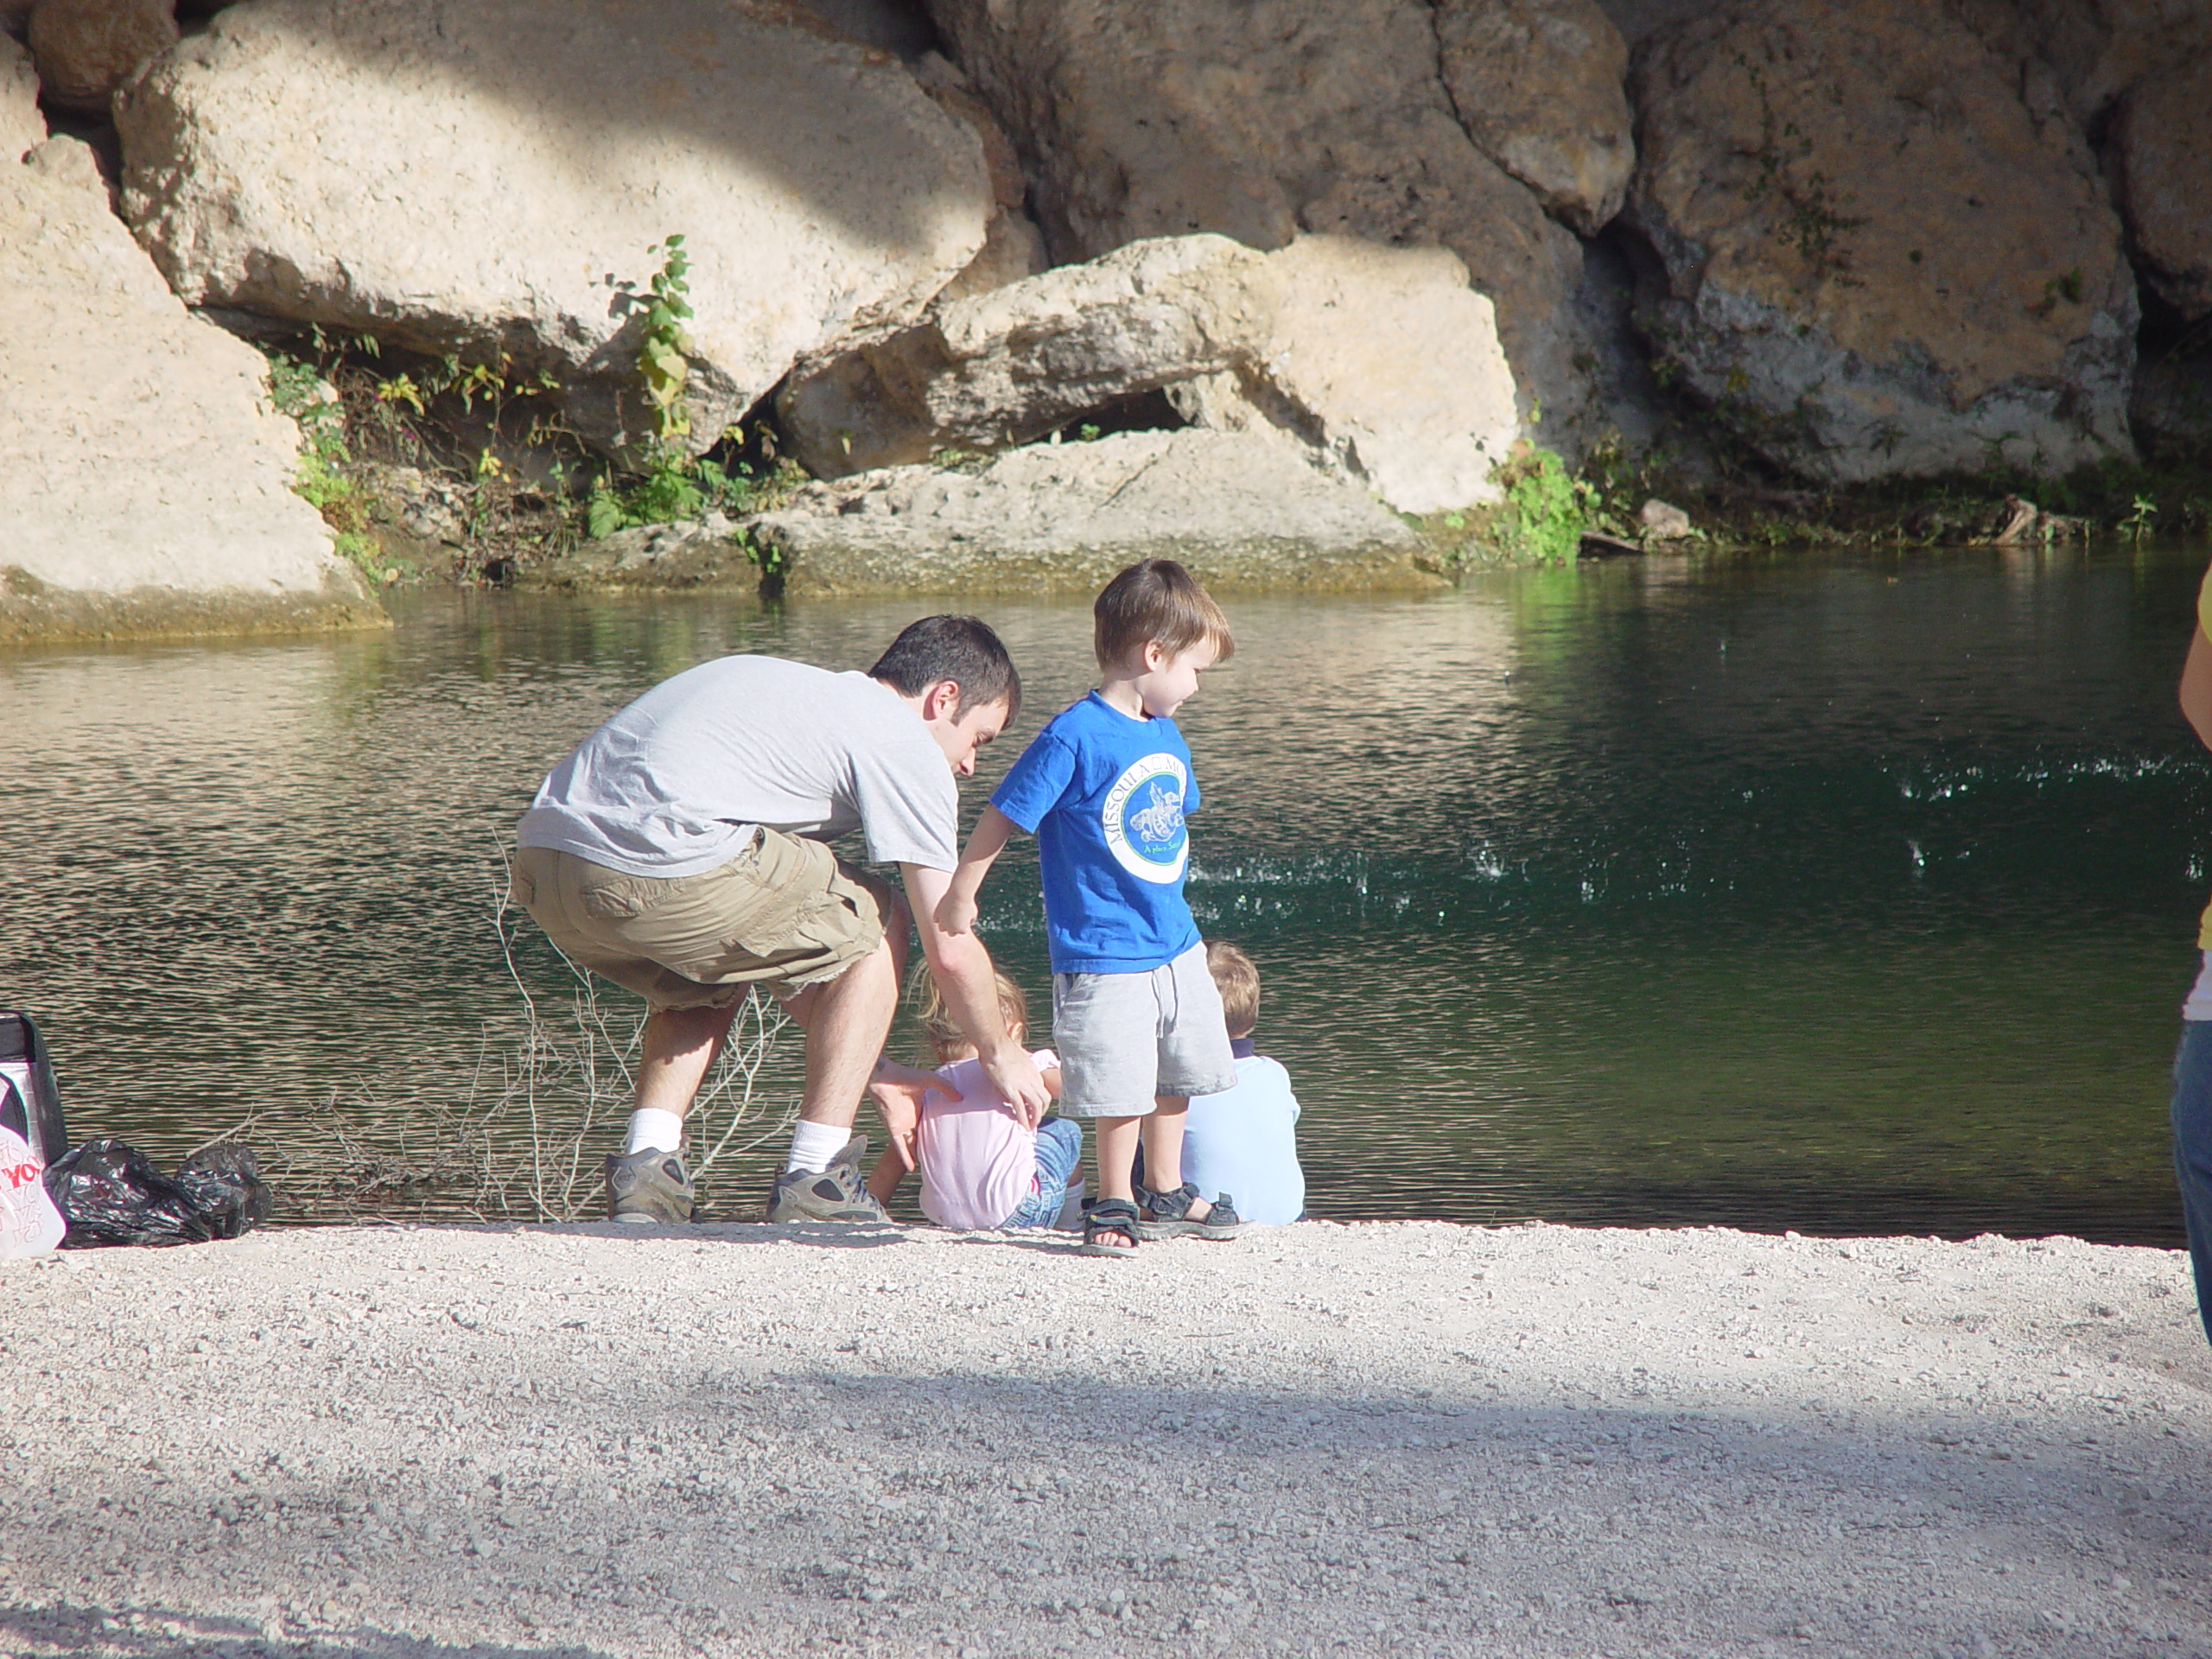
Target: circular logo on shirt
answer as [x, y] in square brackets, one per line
[1143, 819]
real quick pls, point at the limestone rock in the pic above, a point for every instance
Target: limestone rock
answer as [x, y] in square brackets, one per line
[2092, 51]
[86, 49]
[476, 175]
[1013, 248]
[1010, 365]
[1872, 255]
[1638, 20]
[2171, 407]
[1538, 84]
[147, 488]
[1385, 363]
[1662, 521]
[1012, 245]
[1257, 119]
[2160, 150]
[1240, 511]
[21, 125]
[897, 26]
[16, 17]
[701, 553]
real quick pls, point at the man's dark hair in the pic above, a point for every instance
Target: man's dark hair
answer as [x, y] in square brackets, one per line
[962, 649]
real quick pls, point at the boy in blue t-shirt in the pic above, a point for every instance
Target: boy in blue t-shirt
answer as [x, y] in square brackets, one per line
[1105, 788]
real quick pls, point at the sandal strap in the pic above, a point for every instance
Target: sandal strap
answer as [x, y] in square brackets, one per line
[1171, 1206]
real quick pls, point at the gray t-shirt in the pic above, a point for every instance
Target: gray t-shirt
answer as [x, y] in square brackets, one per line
[672, 784]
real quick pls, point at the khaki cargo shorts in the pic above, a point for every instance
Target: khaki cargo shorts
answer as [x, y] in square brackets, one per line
[784, 912]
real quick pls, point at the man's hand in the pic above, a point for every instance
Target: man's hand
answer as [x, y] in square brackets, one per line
[900, 1091]
[1015, 1075]
[956, 914]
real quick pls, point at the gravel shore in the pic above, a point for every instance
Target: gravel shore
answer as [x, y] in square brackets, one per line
[1389, 1438]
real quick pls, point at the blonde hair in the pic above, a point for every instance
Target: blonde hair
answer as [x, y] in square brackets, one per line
[1156, 602]
[1238, 981]
[945, 1038]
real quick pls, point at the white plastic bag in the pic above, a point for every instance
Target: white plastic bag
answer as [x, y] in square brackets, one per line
[29, 1224]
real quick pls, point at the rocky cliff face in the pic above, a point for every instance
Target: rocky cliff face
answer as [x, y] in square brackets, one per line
[489, 176]
[148, 482]
[1386, 238]
[1260, 119]
[1876, 250]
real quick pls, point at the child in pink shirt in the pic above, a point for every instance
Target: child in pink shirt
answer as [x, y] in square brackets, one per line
[980, 1168]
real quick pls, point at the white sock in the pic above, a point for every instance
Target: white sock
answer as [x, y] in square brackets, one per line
[813, 1145]
[661, 1131]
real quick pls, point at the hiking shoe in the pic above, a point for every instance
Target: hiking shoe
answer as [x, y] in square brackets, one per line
[837, 1193]
[648, 1187]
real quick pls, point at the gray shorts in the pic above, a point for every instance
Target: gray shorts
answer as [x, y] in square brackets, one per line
[1123, 1039]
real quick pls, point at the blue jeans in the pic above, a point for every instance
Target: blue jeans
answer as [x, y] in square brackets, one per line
[1059, 1150]
[2192, 1115]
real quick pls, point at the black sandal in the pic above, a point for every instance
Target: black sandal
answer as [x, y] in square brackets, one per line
[1110, 1218]
[1171, 1217]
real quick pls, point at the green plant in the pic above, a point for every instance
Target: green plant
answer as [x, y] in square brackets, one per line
[320, 479]
[663, 356]
[1546, 509]
[2140, 518]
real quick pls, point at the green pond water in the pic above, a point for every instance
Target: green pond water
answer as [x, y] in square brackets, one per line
[1842, 896]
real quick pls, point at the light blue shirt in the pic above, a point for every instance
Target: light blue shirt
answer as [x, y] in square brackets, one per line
[1243, 1142]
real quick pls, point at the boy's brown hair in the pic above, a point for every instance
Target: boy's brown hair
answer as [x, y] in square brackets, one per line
[1156, 602]
[937, 1024]
[1238, 981]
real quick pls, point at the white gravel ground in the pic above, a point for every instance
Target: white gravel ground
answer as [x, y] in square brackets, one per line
[1378, 1438]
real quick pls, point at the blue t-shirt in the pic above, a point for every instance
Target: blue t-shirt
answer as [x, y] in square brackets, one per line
[1106, 796]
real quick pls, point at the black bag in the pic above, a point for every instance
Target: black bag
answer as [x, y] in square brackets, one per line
[30, 1103]
[110, 1193]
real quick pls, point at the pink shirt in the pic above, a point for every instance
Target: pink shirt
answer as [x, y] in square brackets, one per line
[976, 1160]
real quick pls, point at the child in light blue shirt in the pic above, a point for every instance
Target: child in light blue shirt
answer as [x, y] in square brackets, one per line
[1243, 1140]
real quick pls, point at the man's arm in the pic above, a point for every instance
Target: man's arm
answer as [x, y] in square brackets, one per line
[956, 912]
[2196, 687]
[962, 970]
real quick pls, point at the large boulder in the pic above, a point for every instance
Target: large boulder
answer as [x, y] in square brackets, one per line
[1381, 363]
[899, 26]
[21, 126]
[1240, 511]
[2170, 406]
[1871, 254]
[1538, 84]
[1258, 119]
[147, 488]
[86, 49]
[1010, 365]
[1384, 363]
[1012, 245]
[478, 177]
[2093, 50]
[2159, 149]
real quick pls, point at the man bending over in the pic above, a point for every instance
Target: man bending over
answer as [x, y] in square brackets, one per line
[679, 851]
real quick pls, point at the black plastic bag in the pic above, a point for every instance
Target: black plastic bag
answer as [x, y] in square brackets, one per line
[110, 1193]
